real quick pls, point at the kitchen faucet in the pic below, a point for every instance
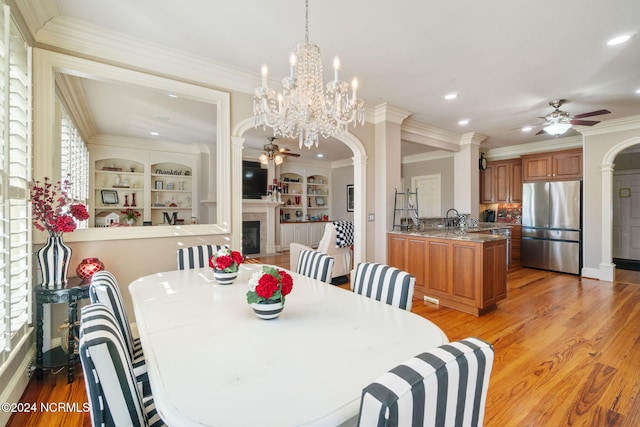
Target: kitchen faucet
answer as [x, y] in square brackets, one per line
[447, 224]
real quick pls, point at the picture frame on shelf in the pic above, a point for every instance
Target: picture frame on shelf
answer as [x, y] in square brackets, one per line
[159, 184]
[320, 201]
[109, 197]
[350, 198]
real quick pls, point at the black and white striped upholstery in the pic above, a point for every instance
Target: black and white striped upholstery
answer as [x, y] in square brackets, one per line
[104, 290]
[446, 386]
[196, 256]
[316, 265]
[384, 283]
[112, 389]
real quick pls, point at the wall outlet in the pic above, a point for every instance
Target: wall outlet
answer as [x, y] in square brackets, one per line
[371, 217]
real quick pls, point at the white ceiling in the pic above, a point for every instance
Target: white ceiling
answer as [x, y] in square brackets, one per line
[505, 58]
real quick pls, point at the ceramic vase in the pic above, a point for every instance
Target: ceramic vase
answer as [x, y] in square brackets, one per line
[267, 309]
[88, 267]
[131, 221]
[223, 277]
[53, 259]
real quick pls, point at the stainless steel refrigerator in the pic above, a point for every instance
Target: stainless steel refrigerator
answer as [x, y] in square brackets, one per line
[551, 226]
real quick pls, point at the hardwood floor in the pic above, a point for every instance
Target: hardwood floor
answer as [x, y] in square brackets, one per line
[567, 353]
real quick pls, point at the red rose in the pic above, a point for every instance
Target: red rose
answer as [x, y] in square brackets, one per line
[287, 282]
[237, 257]
[267, 286]
[224, 261]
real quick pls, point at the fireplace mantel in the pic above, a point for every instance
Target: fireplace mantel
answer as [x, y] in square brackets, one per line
[268, 208]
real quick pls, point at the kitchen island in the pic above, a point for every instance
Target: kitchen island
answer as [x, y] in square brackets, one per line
[464, 270]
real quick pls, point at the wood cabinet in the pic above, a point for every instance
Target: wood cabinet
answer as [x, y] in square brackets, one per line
[466, 275]
[554, 166]
[501, 182]
[516, 245]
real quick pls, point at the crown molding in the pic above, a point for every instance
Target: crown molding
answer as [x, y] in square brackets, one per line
[422, 133]
[425, 157]
[33, 14]
[389, 113]
[534, 147]
[342, 163]
[144, 145]
[613, 125]
[472, 138]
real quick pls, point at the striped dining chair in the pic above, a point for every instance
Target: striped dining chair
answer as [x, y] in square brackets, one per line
[384, 283]
[446, 386]
[104, 289]
[196, 256]
[315, 264]
[112, 390]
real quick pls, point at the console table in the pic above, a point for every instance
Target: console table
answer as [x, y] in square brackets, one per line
[75, 291]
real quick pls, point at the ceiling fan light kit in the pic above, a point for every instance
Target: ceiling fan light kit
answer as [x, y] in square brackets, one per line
[274, 153]
[304, 110]
[558, 122]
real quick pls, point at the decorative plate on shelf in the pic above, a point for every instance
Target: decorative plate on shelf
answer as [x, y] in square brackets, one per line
[298, 214]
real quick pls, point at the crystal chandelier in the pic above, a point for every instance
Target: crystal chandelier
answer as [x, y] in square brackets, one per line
[304, 110]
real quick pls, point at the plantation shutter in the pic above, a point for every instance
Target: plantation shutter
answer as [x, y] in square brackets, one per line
[15, 149]
[74, 161]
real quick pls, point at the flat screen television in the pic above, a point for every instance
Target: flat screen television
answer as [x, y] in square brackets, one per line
[254, 180]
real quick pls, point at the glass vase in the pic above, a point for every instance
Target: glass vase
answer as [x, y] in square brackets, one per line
[88, 267]
[53, 259]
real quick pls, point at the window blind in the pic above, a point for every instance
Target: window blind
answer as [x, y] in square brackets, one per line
[15, 151]
[74, 160]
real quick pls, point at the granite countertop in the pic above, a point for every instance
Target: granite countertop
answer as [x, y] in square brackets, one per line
[470, 234]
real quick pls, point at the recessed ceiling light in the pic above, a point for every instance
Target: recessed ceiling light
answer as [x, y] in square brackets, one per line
[619, 39]
[154, 133]
[172, 95]
[463, 122]
[451, 96]
[638, 91]
[319, 155]
[526, 129]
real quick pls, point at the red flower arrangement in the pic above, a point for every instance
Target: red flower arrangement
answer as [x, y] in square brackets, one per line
[270, 284]
[226, 260]
[130, 214]
[53, 212]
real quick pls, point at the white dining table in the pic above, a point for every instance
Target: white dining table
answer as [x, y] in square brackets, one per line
[212, 362]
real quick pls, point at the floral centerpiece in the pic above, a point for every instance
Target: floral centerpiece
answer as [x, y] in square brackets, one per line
[130, 215]
[225, 264]
[55, 212]
[267, 291]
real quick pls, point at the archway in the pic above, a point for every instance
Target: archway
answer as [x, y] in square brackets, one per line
[607, 167]
[359, 184]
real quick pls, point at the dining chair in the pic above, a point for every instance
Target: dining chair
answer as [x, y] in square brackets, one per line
[104, 289]
[196, 256]
[112, 390]
[384, 283]
[446, 386]
[315, 264]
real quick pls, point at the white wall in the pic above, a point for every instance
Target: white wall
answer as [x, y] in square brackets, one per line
[340, 178]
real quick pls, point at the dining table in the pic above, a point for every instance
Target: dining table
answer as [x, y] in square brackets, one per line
[212, 362]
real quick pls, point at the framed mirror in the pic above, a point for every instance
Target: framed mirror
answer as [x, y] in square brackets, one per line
[50, 67]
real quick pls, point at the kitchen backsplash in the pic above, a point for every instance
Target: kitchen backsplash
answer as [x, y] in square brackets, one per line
[511, 214]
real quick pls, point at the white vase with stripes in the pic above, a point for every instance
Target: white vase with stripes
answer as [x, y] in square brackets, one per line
[268, 309]
[53, 259]
[223, 277]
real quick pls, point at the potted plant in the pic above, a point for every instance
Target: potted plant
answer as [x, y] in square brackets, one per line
[130, 215]
[55, 212]
[267, 291]
[225, 264]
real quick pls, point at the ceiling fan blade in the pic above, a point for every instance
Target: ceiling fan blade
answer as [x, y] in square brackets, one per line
[591, 114]
[286, 153]
[585, 122]
[541, 132]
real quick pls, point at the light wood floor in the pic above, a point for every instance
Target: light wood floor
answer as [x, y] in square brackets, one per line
[567, 354]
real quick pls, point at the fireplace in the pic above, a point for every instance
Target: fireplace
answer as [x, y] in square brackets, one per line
[250, 237]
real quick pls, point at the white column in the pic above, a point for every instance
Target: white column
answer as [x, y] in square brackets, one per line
[466, 181]
[360, 219]
[235, 198]
[607, 268]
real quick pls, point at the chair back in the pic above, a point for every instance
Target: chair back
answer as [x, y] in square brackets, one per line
[446, 386]
[114, 398]
[196, 256]
[384, 283]
[316, 265]
[104, 289]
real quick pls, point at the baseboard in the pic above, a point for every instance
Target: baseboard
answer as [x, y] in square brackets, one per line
[627, 264]
[15, 374]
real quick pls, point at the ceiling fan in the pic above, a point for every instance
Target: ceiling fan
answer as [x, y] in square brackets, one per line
[275, 153]
[558, 122]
